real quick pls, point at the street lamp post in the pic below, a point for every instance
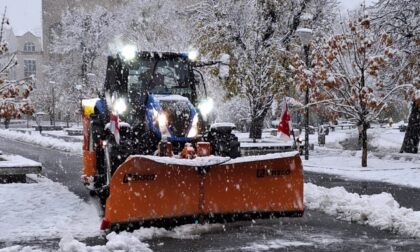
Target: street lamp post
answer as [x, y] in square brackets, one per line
[305, 35]
[52, 83]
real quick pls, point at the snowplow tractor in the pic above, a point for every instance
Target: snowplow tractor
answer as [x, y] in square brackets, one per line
[151, 156]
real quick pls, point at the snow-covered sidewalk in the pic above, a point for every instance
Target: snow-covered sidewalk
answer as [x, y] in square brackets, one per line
[35, 137]
[44, 209]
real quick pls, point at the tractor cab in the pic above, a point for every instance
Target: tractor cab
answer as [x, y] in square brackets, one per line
[156, 95]
[150, 73]
[166, 74]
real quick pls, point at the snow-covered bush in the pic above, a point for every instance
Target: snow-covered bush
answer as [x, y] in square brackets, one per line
[14, 101]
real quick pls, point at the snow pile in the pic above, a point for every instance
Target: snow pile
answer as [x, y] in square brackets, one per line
[19, 248]
[189, 231]
[126, 241]
[44, 210]
[265, 157]
[68, 243]
[199, 161]
[171, 98]
[216, 160]
[35, 138]
[379, 210]
[11, 161]
[116, 242]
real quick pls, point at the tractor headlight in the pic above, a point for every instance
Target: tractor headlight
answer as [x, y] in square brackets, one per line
[163, 121]
[163, 124]
[155, 117]
[206, 106]
[120, 106]
[194, 127]
[128, 52]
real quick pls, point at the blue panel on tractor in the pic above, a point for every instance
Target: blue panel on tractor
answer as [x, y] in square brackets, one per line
[179, 114]
[100, 106]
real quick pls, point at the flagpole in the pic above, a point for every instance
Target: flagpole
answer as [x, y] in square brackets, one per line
[294, 139]
[285, 119]
[291, 126]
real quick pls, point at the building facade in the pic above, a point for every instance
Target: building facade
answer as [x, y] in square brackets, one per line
[29, 56]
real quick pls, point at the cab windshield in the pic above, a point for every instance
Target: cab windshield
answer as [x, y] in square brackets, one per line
[159, 76]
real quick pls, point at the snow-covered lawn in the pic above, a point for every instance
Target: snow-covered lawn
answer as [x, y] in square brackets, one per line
[386, 138]
[385, 165]
[405, 171]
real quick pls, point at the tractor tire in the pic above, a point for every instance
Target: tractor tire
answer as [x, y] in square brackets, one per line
[225, 145]
[103, 194]
[235, 150]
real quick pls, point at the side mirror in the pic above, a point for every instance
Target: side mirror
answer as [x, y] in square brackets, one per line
[201, 85]
[224, 66]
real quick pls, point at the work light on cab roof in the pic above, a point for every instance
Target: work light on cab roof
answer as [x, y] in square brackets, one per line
[193, 55]
[129, 52]
[206, 106]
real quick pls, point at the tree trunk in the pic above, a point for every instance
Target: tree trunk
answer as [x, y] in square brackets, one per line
[412, 135]
[364, 145]
[6, 123]
[255, 131]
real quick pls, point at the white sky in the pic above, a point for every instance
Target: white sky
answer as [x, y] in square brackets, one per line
[24, 15]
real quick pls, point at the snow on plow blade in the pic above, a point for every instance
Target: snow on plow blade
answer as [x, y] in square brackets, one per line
[147, 189]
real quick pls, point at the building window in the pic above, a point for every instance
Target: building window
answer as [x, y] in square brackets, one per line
[29, 47]
[29, 67]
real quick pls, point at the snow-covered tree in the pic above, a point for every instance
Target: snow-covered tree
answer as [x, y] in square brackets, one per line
[85, 37]
[256, 35]
[345, 74]
[400, 20]
[152, 25]
[14, 101]
[78, 52]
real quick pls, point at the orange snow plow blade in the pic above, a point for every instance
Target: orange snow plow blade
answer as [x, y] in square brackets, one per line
[147, 189]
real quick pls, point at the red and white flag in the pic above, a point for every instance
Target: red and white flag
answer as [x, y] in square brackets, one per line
[115, 127]
[284, 125]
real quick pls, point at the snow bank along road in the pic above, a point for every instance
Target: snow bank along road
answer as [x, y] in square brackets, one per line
[315, 230]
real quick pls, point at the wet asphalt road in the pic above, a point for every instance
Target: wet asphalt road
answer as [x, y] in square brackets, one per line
[315, 231]
[59, 166]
